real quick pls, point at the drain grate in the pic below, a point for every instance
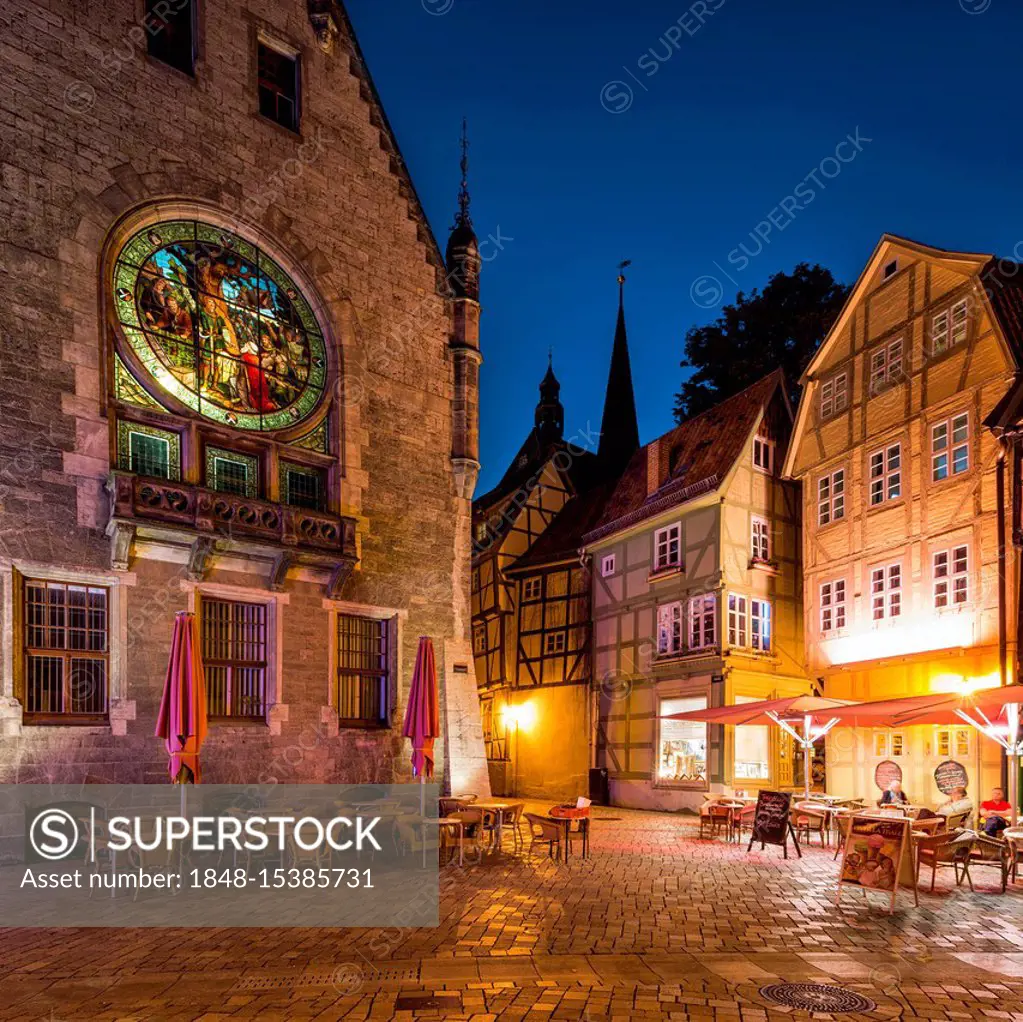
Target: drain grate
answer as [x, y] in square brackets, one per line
[817, 997]
[346, 976]
[429, 1002]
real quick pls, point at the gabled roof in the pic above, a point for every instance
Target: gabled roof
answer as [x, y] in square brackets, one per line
[703, 450]
[562, 540]
[1002, 281]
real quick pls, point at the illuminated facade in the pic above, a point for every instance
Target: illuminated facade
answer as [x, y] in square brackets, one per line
[696, 603]
[901, 446]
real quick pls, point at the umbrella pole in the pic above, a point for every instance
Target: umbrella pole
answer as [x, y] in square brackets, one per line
[1012, 711]
[807, 756]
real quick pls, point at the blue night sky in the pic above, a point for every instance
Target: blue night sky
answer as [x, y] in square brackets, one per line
[727, 119]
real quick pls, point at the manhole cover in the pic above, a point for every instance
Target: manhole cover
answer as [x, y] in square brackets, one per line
[817, 997]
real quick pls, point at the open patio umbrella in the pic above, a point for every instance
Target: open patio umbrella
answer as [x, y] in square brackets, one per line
[182, 720]
[422, 720]
[813, 714]
[994, 712]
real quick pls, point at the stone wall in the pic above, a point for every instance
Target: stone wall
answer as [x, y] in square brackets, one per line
[93, 130]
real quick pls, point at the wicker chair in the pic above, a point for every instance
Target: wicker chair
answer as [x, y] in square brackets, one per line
[989, 851]
[956, 821]
[472, 829]
[937, 850]
[511, 817]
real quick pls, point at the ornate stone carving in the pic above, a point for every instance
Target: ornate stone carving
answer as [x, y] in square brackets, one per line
[122, 536]
[342, 572]
[466, 472]
[279, 571]
[323, 18]
[199, 558]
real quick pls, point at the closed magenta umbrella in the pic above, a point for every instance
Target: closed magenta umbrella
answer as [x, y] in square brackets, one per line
[422, 720]
[182, 722]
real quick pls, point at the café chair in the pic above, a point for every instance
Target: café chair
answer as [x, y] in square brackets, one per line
[988, 851]
[956, 821]
[543, 830]
[715, 818]
[943, 850]
[810, 818]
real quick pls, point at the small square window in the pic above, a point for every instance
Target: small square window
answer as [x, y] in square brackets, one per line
[231, 472]
[302, 487]
[607, 565]
[148, 451]
[554, 642]
[278, 86]
[891, 269]
[171, 32]
[531, 588]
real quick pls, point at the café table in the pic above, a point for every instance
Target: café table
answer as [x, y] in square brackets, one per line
[497, 808]
[565, 822]
[1014, 838]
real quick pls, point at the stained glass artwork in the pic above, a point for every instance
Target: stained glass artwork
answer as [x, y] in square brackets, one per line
[314, 441]
[128, 389]
[219, 326]
[148, 451]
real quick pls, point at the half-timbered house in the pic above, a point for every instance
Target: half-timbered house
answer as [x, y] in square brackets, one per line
[696, 602]
[903, 443]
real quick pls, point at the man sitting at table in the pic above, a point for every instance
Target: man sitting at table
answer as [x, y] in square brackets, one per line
[958, 802]
[994, 812]
[894, 795]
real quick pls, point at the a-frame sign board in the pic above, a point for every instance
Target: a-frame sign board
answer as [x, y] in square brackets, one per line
[771, 822]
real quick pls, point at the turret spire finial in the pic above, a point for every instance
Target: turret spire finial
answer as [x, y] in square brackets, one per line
[464, 198]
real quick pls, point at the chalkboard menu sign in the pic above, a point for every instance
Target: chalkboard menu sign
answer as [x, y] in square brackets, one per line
[885, 772]
[771, 824]
[949, 775]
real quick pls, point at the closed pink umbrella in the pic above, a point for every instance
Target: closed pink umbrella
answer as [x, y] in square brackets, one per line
[182, 722]
[422, 720]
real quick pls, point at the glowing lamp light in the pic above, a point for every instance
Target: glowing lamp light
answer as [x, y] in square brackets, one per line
[523, 716]
[958, 684]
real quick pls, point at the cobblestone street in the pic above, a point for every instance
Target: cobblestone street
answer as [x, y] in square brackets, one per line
[655, 924]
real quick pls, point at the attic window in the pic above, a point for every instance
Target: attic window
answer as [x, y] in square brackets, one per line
[891, 269]
[674, 458]
[763, 454]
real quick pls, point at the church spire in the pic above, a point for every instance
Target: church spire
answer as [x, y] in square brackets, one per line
[619, 429]
[550, 413]
[463, 253]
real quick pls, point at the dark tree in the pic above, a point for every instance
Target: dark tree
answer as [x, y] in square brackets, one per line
[782, 325]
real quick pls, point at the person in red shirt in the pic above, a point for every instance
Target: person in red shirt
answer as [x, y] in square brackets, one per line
[995, 812]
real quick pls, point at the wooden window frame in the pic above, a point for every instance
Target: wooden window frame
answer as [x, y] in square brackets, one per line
[832, 605]
[738, 621]
[885, 365]
[951, 447]
[667, 564]
[608, 565]
[760, 539]
[670, 642]
[262, 665]
[153, 34]
[701, 610]
[24, 651]
[830, 502]
[884, 475]
[834, 396]
[763, 455]
[384, 676]
[950, 577]
[287, 53]
[761, 625]
[888, 597]
[532, 589]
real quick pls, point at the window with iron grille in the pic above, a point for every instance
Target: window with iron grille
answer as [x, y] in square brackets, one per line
[148, 451]
[235, 658]
[171, 32]
[231, 472]
[363, 670]
[302, 486]
[278, 86]
[66, 652]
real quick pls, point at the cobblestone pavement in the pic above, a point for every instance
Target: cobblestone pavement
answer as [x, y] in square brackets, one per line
[654, 924]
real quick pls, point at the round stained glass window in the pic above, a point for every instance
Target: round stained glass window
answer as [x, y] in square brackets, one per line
[219, 326]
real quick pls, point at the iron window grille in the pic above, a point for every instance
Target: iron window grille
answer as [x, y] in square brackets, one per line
[66, 652]
[234, 653]
[302, 486]
[363, 670]
[231, 472]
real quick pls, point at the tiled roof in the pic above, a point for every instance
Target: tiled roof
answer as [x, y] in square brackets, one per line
[1003, 281]
[703, 450]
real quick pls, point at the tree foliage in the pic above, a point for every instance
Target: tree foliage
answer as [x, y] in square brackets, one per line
[782, 325]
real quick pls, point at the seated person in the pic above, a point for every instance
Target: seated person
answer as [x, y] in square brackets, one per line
[894, 795]
[994, 813]
[957, 802]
